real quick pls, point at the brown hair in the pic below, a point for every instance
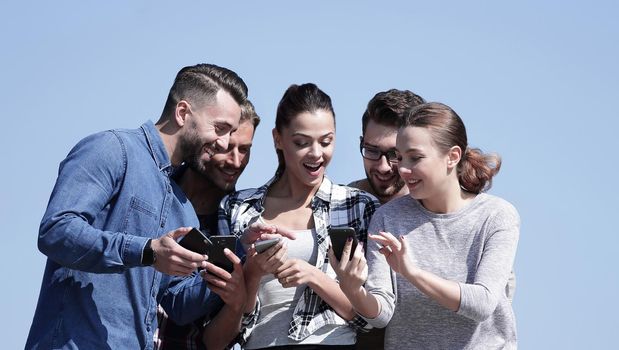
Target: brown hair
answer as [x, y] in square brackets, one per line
[199, 85]
[298, 99]
[248, 113]
[388, 107]
[475, 169]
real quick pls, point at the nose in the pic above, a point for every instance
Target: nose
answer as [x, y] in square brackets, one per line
[234, 158]
[404, 171]
[383, 165]
[222, 143]
[316, 150]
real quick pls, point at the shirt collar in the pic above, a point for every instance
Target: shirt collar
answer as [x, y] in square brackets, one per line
[157, 148]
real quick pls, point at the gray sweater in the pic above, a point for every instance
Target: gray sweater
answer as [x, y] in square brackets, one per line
[474, 247]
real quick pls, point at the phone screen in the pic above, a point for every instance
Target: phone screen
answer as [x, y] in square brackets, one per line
[216, 251]
[339, 235]
[196, 241]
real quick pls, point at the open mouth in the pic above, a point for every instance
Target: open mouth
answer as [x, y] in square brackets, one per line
[312, 167]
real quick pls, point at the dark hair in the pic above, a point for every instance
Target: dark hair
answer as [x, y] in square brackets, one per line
[388, 107]
[248, 113]
[199, 85]
[296, 100]
[475, 169]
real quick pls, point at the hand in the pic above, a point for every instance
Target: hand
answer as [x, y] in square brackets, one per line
[229, 286]
[395, 251]
[268, 261]
[351, 273]
[262, 231]
[171, 258]
[295, 272]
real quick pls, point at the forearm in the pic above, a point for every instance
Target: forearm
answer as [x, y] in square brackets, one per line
[329, 291]
[72, 242]
[444, 292]
[222, 329]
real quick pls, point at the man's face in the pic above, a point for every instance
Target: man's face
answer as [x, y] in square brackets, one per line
[225, 167]
[207, 130]
[382, 176]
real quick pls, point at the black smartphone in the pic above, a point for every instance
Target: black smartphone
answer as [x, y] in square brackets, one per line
[216, 251]
[338, 236]
[196, 241]
[262, 246]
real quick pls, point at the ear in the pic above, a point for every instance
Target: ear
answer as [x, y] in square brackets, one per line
[181, 112]
[453, 157]
[276, 139]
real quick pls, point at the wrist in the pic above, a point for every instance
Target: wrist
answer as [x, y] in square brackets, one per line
[149, 257]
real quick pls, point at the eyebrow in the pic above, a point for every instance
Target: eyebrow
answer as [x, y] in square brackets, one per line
[377, 147]
[304, 135]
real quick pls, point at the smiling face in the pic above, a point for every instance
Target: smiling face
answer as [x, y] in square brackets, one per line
[207, 130]
[422, 166]
[307, 144]
[382, 175]
[226, 167]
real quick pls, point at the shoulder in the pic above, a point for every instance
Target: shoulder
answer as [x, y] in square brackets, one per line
[500, 210]
[394, 207]
[341, 193]
[239, 197]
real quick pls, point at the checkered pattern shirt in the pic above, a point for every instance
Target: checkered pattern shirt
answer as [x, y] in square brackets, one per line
[333, 205]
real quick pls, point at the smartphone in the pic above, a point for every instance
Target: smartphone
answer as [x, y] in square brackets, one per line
[262, 246]
[196, 241]
[338, 236]
[216, 251]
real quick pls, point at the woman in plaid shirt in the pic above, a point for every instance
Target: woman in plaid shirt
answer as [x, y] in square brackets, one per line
[301, 305]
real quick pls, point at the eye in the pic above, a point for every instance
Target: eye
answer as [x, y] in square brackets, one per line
[244, 150]
[326, 143]
[300, 143]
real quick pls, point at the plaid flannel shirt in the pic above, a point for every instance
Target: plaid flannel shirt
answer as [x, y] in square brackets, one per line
[333, 205]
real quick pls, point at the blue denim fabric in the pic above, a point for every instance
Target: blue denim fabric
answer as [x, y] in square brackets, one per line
[112, 194]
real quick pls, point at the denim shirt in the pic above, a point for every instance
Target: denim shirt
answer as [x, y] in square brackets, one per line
[112, 194]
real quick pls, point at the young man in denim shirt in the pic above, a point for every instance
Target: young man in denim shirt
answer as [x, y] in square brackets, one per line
[114, 216]
[205, 191]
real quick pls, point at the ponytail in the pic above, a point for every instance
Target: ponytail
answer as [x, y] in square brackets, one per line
[476, 170]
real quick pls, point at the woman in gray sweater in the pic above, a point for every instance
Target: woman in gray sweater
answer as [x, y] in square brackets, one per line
[439, 272]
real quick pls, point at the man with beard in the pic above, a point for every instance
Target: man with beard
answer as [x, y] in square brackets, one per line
[114, 216]
[380, 123]
[205, 187]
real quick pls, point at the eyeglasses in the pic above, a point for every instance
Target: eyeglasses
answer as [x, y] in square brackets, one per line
[372, 153]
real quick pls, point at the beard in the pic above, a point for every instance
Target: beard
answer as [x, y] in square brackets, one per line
[394, 187]
[191, 147]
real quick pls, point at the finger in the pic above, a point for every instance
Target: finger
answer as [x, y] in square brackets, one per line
[179, 232]
[218, 271]
[390, 240]
[403, 244]
[286, 233]
[232, 257]
[346, 251]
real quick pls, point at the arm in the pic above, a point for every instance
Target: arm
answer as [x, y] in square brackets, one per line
[476, 300]
[295, 272]
[224, 327]
[88, 179]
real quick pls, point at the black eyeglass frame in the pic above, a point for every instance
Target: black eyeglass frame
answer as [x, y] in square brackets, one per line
[391, 155]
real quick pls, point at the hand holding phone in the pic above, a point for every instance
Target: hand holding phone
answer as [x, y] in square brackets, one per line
[339, 236]
[262, 246]
[216, 251]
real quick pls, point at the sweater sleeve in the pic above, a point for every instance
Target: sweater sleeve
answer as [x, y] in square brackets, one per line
[380, 282]
[479, 299]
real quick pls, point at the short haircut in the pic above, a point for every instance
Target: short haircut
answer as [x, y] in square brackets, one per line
[199, 85]
[388, 107]
[248, 113]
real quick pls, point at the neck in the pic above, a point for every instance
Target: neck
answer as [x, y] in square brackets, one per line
[292, 189]
[448, 200]
[169, 134]
[202, 194]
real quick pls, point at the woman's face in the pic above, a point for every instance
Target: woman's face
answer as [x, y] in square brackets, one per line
[307, 144]
[422, 166]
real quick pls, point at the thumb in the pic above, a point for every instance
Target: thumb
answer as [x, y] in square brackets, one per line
[179, 232]
[403, 244]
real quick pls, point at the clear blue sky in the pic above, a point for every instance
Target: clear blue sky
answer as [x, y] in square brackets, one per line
[536, 82]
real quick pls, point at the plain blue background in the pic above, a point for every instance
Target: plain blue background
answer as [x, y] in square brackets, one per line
[535, 82]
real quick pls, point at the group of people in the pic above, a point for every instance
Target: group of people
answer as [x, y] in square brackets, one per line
[433, 267]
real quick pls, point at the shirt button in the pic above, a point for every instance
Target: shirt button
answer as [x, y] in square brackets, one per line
[162, 224]
[169, 189]
[148, 328]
